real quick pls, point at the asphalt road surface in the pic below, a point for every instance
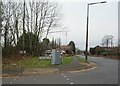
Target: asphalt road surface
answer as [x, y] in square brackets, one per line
[105, 73]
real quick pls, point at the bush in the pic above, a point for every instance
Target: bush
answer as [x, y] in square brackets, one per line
[68, 52]
[9, 51]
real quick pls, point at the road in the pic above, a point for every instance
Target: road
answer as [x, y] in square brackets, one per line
[105, 73]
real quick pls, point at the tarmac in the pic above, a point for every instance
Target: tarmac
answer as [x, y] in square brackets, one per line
[75, 64]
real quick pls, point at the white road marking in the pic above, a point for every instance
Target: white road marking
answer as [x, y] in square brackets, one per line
[71, 83]
[64, 76]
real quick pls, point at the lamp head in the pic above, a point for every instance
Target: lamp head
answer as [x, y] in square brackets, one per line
[97, 3]
[103, 2]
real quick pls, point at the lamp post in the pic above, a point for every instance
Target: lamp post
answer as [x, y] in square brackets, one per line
[0, 24]
[86, 49]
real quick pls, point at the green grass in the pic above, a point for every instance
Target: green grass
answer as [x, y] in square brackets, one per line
[66, 60]
[82, 60]
[34, 63]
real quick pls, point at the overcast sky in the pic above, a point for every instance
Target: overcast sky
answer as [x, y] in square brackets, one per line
[103, 20]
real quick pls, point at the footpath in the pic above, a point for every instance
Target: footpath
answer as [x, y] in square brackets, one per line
[75, 64]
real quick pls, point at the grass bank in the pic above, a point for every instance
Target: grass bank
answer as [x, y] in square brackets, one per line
[34, 62]
[82, 60]
[66, 60]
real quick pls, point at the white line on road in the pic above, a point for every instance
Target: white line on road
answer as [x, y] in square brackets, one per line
[65, 76]
[72, 83]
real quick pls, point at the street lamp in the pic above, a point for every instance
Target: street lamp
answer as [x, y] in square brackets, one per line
[86, 50]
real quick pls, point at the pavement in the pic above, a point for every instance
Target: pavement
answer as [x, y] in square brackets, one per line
[105, 73]
[75, 64]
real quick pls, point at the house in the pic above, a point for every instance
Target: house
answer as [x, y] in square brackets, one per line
[105, 50]
[64, 48]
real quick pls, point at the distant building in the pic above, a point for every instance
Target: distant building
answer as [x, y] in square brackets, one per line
[110, 49]
[105, 50]
[65, 47]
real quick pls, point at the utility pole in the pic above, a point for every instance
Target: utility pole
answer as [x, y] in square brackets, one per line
[0, 23]
[86, 48]
[0, 42]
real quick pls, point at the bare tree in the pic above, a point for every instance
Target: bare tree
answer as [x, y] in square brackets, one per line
[53, 17]
[31, 18]
[107, 40]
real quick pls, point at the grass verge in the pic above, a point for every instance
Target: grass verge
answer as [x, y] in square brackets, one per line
[66, 60]
[82, 60]
[34, 62]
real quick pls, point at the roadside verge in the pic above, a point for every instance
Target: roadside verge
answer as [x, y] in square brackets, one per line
[46, 71]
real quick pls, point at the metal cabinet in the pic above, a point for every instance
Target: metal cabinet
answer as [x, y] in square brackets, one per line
[55, 57]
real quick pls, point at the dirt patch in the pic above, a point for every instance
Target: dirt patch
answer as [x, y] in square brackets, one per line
[86, 67]
[31, 71]
[40, 71]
